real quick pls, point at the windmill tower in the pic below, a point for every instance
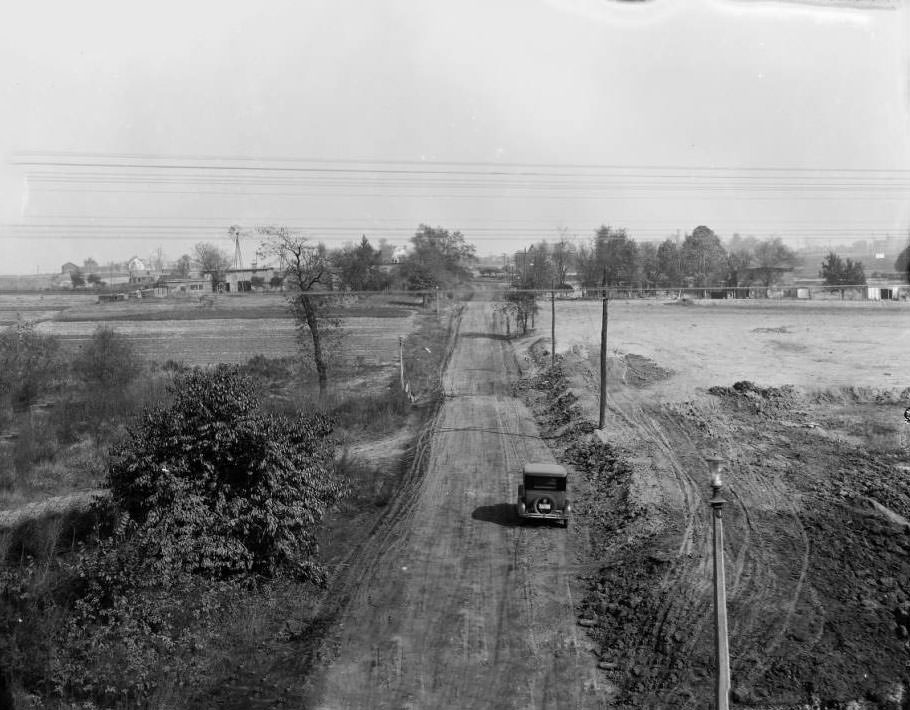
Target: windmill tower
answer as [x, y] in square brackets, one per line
[234, 235]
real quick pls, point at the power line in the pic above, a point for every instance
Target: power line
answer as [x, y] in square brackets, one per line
[37, 158]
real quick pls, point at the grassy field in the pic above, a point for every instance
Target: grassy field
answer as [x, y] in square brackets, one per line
[218, 328]
[368, 340]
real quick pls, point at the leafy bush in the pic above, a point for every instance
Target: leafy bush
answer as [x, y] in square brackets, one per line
[212, 485]
[108, 360]
[211, 496]
[28, 362]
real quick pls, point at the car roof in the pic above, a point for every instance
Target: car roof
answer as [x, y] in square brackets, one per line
[544, 469]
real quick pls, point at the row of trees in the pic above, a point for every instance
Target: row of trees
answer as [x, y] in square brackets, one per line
[437, 257]
[613, 258]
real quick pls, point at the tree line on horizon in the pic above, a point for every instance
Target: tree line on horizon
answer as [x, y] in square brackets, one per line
[612, 258]
[438, 257]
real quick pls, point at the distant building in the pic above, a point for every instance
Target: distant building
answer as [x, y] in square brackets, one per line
[242, 280]
[139, 274]
[68, 268]
[175, 286]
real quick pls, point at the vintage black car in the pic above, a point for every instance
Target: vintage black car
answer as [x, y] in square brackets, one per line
[542, 494]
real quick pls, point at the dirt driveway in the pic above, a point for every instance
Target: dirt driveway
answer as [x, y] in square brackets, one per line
[457, 606]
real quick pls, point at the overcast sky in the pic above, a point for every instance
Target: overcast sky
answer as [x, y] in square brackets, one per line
[125, 128]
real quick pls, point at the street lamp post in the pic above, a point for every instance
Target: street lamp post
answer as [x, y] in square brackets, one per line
[721, 648]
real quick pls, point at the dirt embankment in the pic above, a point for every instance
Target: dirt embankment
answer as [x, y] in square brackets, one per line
[817, 543]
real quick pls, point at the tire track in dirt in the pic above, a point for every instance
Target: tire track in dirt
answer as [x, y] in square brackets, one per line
[453, 604]
[684, 583]
[764, 586]
[766, 548]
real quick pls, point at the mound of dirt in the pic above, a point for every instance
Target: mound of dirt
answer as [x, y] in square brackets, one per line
[779, 329]
[748, 395]
[641, 371]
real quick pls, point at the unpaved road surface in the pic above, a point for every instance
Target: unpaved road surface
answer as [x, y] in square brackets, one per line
[456, 605]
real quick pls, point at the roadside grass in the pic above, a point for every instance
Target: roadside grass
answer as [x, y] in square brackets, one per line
[61, 445]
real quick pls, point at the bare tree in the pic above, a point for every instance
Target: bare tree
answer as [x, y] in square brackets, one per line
[211, 260]
[304, 266]
[562, 257]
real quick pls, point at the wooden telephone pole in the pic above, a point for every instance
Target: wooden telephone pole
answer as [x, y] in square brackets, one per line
[603, 364]
[553, 327]
[401, 359]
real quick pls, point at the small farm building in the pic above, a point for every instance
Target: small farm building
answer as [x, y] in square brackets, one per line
[187, 286]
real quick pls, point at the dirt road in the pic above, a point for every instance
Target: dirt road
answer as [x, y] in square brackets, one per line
[458, 606]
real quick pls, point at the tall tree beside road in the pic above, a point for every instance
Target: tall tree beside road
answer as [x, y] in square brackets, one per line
[305, 267]
[520, 304]
[704, 257]
[439, 256]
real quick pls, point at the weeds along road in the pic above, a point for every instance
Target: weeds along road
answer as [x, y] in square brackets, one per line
[458, 606]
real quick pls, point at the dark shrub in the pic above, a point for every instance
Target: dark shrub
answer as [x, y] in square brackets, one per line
[108, 360]
[214, 485]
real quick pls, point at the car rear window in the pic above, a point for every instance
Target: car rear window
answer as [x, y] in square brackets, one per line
[545, 483]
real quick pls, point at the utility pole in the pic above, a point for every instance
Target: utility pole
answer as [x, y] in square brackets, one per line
[437, 301]
[721, 648]
[401, 360]
[603, 364]
[553, 327]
